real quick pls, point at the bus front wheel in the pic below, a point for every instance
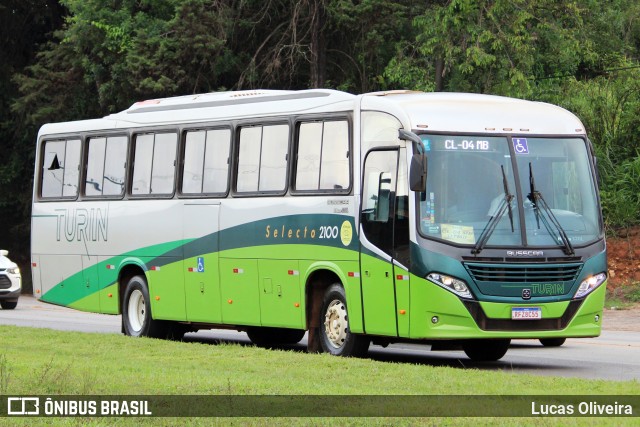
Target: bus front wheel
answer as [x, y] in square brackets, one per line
[335, 336]
[486, 350]
[552, 342]
[136, 311]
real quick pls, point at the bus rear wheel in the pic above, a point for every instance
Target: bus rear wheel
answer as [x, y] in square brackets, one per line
[335, 336]
[136, 311]
[269, 337]
[486, 350]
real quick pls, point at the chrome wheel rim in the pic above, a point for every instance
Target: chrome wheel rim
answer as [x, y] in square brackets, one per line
[136, 310]
[336, 324]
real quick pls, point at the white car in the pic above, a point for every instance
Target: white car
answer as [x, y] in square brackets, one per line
[10, 282]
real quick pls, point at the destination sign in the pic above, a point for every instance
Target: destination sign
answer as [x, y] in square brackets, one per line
[463, 143]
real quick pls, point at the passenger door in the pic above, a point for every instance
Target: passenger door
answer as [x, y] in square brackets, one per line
[385, 242]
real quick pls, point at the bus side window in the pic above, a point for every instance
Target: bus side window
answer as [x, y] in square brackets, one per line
[323, 156]
[216, 161]
[194, 152]
[115, 166]
[154, 164]
[206, 161]
[378, 198]
[106, 164]
[60, 169]
[334, 170]
[262, 158]
[273, 159]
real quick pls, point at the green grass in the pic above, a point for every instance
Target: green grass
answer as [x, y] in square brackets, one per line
[47, 362]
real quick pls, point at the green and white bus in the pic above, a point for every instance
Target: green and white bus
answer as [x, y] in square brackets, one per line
[456, 220]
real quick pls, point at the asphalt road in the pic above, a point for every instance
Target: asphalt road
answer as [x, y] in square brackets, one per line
[615, 355]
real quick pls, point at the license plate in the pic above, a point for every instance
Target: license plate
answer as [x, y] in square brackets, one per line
[526, 313]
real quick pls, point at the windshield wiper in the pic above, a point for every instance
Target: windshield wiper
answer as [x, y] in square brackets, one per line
[539, 204]
[505, 205]
[508, 196]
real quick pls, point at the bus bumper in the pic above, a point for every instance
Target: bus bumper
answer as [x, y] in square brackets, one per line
[439, 314]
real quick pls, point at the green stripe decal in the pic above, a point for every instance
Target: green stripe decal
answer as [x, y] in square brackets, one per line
[313, 236]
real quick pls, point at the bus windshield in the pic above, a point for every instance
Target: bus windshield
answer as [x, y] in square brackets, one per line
[473, 197]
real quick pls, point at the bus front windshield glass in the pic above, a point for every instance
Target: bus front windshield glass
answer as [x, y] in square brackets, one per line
[472, 197]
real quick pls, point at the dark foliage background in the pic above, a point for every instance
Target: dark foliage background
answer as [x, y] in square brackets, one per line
[75, 59]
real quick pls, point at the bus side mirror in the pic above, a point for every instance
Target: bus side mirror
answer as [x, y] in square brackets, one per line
[418, 168]
[418, 173]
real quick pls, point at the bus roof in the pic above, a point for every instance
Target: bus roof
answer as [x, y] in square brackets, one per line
[475, 113]
[441, 111]
[214, 106]
[235, 105]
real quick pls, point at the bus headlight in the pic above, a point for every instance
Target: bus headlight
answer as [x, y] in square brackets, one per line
[589, 284]
[13, 270]
[452, 284]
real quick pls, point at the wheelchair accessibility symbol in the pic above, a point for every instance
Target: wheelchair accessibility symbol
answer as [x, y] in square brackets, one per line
[520, 145]
[200, 265]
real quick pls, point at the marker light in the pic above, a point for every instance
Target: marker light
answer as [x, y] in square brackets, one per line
[452, 284]
[589, 284]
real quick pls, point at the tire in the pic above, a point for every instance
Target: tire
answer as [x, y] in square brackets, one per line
[335, 336]
[8, 305]
[271, 337]
[488, 350]
[552, 342]
[174, 331]
[136, 311]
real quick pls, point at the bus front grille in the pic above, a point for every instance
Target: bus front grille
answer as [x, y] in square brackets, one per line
[510, 273]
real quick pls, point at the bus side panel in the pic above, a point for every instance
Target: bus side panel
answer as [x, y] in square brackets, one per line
[62, 279]
[109, 298]
[91, 283]
[109, 294]
[166, 288]
[280, 295]
[353, 291]
[57, 244]
[35, 275]
[239, 291]
[378, 295]
[202, 288]
[403, 299]
[200, 265]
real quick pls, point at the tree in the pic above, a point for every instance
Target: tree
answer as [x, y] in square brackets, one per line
[24, 25]
[495, 46]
